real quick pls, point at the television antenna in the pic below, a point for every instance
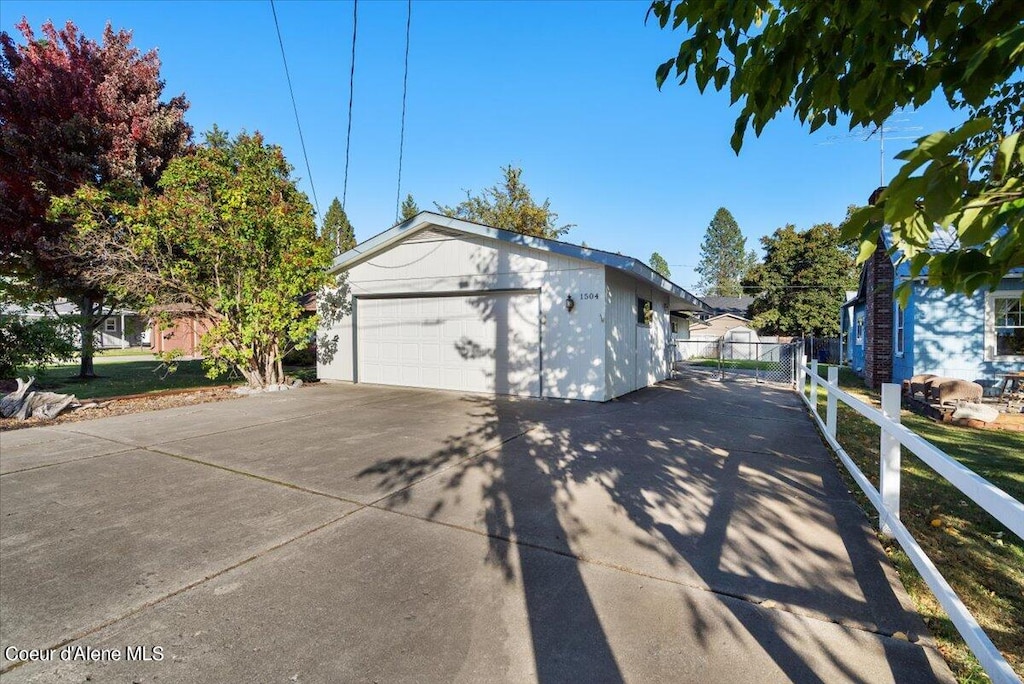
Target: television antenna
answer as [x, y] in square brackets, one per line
[884, 132]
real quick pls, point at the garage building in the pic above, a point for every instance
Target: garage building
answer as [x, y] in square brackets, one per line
[442, 303]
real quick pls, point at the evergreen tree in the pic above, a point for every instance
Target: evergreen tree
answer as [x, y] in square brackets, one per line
[658, 263]
[509, 206]
[337, 228]
[802, 282]
[724, 260]
[409, 208]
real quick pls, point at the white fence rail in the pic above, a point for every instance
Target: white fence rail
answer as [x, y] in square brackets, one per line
[886, 499]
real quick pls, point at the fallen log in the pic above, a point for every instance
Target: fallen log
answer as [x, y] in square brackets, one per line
[24, 404]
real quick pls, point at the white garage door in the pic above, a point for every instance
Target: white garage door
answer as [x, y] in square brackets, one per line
[488, 342]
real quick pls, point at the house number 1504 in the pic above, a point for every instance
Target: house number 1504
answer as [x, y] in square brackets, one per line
[589, 295]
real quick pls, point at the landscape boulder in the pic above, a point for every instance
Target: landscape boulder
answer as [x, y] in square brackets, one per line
[919, 383]
[957, 391]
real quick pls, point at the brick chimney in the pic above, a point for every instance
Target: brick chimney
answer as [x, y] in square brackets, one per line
[879, 320]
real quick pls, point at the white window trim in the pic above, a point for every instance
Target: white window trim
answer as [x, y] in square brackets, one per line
[990, 325]
[899, 332]
[110, 325]
[858, 329]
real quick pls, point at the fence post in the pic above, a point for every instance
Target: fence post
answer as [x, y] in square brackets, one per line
[830, 412]
[800, 373]
[814, 386]
[889, 461]
[721, 349]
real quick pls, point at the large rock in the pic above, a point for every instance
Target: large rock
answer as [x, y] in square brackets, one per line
[919, 383]
[955, 391]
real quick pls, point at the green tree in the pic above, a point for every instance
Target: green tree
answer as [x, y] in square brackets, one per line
[231, 237]
[510, 206]
[658, 263]
[724, 260]
[337, 229]
[802, 282]
[409, 208]
[32, 342]
[862, 62]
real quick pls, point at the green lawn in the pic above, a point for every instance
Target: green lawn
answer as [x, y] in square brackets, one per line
[982, 560]
[130, 351]
[743, 364]
[127, 377]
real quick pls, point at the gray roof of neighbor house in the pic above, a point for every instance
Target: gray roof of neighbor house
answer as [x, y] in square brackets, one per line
[681, 299]
[737, 306]
[60, 307]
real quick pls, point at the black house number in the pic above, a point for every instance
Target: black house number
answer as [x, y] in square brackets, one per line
[589, 295]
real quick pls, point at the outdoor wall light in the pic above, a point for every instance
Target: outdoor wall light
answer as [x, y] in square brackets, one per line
[570, 304]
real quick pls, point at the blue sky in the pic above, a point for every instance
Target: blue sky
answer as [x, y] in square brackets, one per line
[563, 89]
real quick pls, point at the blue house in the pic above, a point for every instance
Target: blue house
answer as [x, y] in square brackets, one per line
[975, 337]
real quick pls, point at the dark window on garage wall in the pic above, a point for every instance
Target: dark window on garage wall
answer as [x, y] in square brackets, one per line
[644, 311]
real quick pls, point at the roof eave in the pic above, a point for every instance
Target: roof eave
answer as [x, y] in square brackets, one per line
[425, 219]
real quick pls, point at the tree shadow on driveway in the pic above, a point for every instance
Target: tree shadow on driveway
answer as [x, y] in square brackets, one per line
[724, 490]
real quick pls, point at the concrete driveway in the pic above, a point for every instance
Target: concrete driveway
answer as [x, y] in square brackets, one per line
[695, 531]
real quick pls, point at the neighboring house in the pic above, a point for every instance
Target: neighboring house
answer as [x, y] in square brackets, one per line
[717, 327]
[123, 328]
[975, 337]
[726, 322]
[679, 326]
[847, 328]
[442, 303]
[736, 306]
[181, 334]
[727, 313]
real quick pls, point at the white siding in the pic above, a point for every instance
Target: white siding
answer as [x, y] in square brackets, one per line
[572, 344]
[635, 355]
[620, 333]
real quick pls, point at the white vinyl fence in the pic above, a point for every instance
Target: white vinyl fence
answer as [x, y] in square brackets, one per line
[886, 499]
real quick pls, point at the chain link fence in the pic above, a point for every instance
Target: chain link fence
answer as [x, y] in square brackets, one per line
[773, 362]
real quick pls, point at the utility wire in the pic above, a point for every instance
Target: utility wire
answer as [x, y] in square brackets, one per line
[351, 89]
[405, 89]
[295, 108]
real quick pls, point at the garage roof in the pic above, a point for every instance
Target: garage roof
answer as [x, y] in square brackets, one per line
[681, 300]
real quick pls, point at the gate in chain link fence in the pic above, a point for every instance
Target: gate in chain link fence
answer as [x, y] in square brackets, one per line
[773, 362]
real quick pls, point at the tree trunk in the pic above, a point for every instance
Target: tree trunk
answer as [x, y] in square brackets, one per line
[87, 327]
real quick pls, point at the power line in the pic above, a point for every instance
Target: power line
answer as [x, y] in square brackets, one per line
[351, 89]
[405, 88]
[295, 108]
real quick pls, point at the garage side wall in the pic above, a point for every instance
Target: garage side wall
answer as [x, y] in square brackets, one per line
[636, 355]
[572, 343]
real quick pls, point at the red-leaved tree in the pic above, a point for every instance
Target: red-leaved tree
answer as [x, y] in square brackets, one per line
[75, 112]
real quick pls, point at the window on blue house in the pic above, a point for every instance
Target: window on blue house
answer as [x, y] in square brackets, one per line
[898, 335]
[860, 329]
[1009, 326]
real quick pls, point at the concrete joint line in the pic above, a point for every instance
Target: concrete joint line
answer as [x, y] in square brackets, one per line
[70, 460]
[243, 473]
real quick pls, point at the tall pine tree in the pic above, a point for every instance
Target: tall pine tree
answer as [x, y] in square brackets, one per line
[510, 206]
[724, 260]
[337, 228]
[658, 263]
